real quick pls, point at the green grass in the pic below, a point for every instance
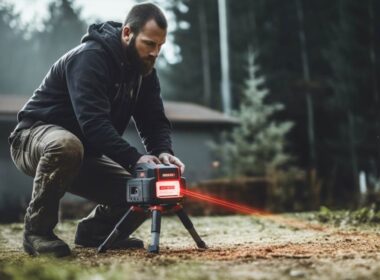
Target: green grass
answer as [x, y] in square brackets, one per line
[44, 268]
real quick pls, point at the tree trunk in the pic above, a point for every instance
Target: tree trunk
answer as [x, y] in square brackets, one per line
[372, 53]
[205, 54]
[312, 173]
[375, 86]
[224, 57]
[353, 155]
[306, 77]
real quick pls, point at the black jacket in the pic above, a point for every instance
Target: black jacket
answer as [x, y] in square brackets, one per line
[93, 91]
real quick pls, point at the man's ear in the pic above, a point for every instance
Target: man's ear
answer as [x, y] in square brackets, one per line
[126, 34]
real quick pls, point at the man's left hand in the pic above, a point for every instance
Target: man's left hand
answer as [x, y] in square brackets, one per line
[167, 158]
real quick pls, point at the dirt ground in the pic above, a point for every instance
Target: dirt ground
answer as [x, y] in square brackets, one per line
[240, 247]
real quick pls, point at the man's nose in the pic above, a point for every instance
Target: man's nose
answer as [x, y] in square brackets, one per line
[155, 52]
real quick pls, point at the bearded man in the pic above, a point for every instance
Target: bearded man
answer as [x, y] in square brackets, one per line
[69, 133]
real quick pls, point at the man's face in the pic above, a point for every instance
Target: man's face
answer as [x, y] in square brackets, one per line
[144, 48]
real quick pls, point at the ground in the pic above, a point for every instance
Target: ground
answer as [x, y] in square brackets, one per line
[240, 247]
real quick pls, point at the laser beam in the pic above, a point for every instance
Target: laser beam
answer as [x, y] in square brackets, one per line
[244, 209]
[227, 204]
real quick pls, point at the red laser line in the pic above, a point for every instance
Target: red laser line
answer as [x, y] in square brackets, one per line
[252, 211]
[233, 206]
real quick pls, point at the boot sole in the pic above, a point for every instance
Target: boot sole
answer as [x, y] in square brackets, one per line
[62, 251]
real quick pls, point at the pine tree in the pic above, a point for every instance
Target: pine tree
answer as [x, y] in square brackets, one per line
[258, 144]
[13, 46]
[62, 29]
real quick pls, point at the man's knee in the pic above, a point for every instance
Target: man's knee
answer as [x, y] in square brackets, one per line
[66, 148]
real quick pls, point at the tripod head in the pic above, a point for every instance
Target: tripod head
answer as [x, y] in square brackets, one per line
[155, 184]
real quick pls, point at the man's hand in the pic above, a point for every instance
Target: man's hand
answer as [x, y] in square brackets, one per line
[148, 159]
[167, 158]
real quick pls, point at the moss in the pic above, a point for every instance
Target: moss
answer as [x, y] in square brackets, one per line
[38, 270]
[364, 215]
[51, 269]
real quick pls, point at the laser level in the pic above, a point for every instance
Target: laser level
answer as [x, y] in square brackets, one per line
[154, 189]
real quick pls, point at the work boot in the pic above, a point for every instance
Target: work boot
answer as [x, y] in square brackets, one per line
[94, 229]
[125, 243]
[89, 234]
[53, 156]
[35, 245]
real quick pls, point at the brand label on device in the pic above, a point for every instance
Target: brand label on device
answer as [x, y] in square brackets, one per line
[168, 189]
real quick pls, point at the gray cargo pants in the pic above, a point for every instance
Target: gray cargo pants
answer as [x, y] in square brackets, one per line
[54, 157]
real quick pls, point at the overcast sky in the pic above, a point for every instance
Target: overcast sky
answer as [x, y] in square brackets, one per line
[34, 11]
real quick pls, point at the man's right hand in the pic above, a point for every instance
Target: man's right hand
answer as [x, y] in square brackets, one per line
[148, 159]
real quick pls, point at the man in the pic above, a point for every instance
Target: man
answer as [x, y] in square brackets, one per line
[69, 132]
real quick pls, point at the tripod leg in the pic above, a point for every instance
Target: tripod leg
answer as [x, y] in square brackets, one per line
[190, 227]
[126, 225]
[155, 231]
[135, 220]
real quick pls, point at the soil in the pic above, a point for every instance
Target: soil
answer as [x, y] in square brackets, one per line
[240, 247]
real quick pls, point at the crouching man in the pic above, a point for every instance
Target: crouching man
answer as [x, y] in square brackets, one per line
[69, 133]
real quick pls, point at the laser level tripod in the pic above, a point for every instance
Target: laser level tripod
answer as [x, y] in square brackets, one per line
[154, 190]
[122, 227]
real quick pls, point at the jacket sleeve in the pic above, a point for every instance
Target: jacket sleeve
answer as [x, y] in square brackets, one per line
[87, 77]
[150, 119]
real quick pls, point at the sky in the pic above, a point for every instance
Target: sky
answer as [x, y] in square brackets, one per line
[34, 11]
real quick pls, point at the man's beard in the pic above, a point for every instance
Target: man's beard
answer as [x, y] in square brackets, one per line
[144, 65]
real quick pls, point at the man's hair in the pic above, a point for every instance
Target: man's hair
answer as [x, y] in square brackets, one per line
[140, 14]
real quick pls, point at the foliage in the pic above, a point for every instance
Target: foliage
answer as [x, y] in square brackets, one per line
[287, 191]
[63, 28]
[365, 215]
[257, 145]
[13, 48]
[29, 53]
[343, 59]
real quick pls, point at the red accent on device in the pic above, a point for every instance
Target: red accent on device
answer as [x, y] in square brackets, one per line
[168, 189]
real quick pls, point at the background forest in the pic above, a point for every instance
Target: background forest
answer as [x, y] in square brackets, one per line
[313, 64]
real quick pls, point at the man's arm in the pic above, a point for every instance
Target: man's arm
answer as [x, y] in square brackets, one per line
[151, 122]
[149, 115]
[87, 76]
